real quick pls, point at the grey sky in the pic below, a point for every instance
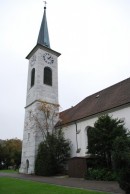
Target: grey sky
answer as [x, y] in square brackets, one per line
[93, 37]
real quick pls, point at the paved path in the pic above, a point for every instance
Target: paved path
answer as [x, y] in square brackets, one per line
[106, 186]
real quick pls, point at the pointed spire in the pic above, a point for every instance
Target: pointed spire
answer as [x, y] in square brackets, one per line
[43, 37]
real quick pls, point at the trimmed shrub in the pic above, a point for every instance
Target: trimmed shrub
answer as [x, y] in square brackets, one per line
[101, 174]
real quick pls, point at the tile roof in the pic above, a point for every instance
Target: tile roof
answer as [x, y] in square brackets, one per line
[104, 100]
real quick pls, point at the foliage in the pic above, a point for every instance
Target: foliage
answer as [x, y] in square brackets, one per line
[10, 153]
[121, 153]
[44, 117]
[54, 150]
[109, 142]
[2, 155]
[53, 154]
[10, 185]
[125, 180]
[100, 174]
[102, 136]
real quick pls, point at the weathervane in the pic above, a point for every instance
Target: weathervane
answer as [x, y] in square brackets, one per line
[45, 3]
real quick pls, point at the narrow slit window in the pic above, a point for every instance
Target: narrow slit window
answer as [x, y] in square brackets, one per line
[48, 76]
[32, 77]
[28, 136]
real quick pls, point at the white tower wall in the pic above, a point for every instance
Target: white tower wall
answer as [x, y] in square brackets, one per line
[36, 94]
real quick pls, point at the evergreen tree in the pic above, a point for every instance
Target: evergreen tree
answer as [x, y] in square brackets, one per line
[53, 154]
[102, 138]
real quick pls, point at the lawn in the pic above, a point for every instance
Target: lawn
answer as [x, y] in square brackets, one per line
[17, 186]
[9, 171]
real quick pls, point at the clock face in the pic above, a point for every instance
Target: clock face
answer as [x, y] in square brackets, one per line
[48, 58]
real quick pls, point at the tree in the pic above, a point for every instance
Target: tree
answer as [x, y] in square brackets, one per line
[109, 142]
[122, 161]
[102, 137]
[53, 151]
[121, 153]
[10, 152]
[44, 117]
[53, 154]
[1, 155]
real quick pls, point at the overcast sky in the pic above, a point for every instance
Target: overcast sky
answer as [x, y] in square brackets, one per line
[93, 37]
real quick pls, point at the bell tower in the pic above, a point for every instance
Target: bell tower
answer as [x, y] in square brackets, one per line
[42, 86]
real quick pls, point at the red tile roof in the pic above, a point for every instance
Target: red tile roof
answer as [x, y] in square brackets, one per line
[104, 100]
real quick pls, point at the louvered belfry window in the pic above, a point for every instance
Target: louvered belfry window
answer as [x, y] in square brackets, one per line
[48, 76]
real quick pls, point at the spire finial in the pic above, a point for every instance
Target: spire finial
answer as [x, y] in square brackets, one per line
[45, 4]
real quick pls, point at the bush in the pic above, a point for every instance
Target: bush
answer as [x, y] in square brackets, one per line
[100, 174]
[124, 181]
[53, 155]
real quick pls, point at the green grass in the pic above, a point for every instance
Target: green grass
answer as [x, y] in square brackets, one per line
[17, 186]
[9, 171]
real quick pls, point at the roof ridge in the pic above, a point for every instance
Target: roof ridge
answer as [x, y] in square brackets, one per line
[98, 92]
[111, 97]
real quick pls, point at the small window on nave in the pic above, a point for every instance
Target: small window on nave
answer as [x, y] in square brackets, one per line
[47, 76]
[32, 77]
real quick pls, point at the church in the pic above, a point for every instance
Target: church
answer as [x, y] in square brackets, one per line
[42, 86]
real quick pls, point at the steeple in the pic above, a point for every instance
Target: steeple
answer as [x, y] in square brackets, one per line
[42, 88]
[43, 37]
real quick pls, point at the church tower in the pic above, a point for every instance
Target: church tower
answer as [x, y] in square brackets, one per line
[42, 87]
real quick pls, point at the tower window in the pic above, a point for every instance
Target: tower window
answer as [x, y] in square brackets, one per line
[28, 136]
[48, 76]
[32, 77]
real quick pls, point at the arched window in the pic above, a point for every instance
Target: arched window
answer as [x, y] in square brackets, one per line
[32, 77]
[86, 138]
[48, 76]
[27, 166]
